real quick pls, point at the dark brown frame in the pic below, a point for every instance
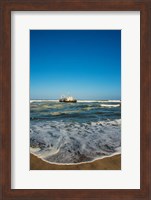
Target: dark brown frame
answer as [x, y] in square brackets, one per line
[6, 6]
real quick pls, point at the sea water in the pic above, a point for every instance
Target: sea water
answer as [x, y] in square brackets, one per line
[67, 133]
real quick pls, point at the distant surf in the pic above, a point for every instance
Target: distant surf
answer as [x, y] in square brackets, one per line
[75, 133]
[82, 101]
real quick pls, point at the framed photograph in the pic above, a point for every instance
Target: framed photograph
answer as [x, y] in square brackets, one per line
[75, 99]
[68, 132]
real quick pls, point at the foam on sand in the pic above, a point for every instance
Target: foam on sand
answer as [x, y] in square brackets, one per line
[67, 143]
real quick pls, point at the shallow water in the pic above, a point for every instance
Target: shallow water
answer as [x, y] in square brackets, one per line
[75, 132]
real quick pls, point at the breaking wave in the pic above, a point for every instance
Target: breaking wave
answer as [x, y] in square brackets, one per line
[67, 133]
[110, 105]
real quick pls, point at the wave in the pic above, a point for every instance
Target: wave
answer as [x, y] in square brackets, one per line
[68, 142]
[110, 122]
[56, 113]
[38, 100]
[114, 101]
[102, 101]
[79, 101]
[110, 105]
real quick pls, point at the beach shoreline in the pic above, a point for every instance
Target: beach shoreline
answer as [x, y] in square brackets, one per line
[107, 163]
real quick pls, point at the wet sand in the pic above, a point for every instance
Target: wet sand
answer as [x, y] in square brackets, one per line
[108, 163]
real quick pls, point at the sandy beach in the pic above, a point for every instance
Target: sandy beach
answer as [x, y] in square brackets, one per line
[108, 163]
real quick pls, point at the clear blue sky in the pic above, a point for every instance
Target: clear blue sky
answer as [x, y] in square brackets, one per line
[83, 63]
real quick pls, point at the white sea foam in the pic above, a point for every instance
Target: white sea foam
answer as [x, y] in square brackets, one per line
[114, 101]
[110, 105]
[42, 100]
[101, 101]
[68, 142]
[79, 101]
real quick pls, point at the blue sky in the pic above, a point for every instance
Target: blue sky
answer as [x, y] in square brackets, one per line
[83, 63]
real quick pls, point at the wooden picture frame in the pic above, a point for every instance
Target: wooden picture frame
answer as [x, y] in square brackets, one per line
[6, 6]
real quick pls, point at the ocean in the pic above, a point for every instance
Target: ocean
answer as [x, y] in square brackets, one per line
[72, 133]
